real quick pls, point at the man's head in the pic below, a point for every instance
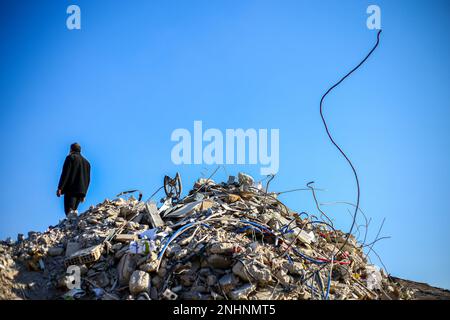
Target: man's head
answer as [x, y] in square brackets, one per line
[75, 147]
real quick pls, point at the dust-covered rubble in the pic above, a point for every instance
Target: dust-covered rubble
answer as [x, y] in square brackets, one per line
[222, 241]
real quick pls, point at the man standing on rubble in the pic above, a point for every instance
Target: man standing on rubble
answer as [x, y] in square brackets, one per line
[74, 181]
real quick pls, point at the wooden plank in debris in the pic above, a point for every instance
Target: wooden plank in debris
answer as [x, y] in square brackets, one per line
[126, 237]
[154, 217]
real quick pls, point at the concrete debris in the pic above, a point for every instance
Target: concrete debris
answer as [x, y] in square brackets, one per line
[373, 277]
[126, 267]
[245, 180]
[228, 240]
[170, 295]
[242, 292]
[139, 282]
[153, 215]
[84, 256]
[228, 282]
[56, 251]
[71, 248]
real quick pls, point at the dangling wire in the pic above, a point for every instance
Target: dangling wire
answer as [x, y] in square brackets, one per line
[337, 146]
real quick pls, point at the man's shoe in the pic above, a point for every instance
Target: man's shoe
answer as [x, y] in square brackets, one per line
[72, 215]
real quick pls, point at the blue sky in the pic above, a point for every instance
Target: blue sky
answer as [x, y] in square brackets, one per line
[137, 70]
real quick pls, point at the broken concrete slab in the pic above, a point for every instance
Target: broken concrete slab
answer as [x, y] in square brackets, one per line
[139, 282]
[72, 247]
[126, 267]
[153, 215]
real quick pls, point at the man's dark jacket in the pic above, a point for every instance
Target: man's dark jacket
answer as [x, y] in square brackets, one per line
[75, 176]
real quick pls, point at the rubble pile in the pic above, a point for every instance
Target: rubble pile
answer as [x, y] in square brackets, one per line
[7, 273]
[222, 241]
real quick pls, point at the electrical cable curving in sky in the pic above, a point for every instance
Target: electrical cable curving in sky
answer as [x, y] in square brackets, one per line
[337, 146]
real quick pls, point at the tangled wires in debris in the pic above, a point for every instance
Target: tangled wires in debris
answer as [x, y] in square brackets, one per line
[337, 146]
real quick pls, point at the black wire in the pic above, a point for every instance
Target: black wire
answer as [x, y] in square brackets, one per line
[336, 145]
[317, 202]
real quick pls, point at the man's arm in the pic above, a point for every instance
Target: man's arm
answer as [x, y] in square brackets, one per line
[64, 175]
[88, 169]
[89, 175]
